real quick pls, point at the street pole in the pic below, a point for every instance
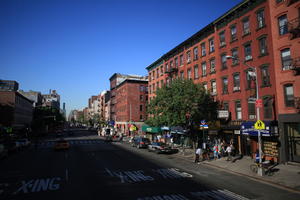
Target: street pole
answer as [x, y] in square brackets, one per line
[260, 170]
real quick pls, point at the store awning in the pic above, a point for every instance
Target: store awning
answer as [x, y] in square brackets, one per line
[178, 130]
[247, 128]
[151, 129]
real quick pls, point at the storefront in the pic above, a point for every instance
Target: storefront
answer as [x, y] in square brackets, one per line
[269, 139]
[289, 126]
[151, 132]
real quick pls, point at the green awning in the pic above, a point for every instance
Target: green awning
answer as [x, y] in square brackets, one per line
[151, 129]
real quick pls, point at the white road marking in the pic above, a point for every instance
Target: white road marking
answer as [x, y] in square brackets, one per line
[39, 185]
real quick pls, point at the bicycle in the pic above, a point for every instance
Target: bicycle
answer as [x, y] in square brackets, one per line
[265, 166]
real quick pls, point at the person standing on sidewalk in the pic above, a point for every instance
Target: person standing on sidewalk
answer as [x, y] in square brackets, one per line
[197, 154]
[228, 151]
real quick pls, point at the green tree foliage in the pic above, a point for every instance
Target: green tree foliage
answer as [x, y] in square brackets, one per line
[182, 103]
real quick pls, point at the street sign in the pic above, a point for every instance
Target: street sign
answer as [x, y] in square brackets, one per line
[259, 125]
[223, 113]
[258, 103]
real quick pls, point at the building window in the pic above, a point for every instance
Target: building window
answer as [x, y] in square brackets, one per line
[222, 39]
[279, 1]
[234, 53]
[268, 107]
[157, 73]
[286, 59]
[142, 88]
[249, 80]
[289, 95]
[246, 26]
[141, 97]
[211, 45]
[141, 117]
[236, 82]
[225, 85]
[203, 68]
[181, 60]
[166, 67]
[203, 50]
[224, 61]
[141, 107]
[213, 87]
[161, 83]
[225, 106]
[283, 25]
[260, 18]
[251, 109]
[196, 72]
[248, 53]
[233, 33]
[188, 56]
[161, 70]
[265, 76]
[182, 74]
[176, 62]
[171, 64]
[262, 46]
[212, 66]
[196, 53]
[238, 110]
[205, 86]
[189, 73]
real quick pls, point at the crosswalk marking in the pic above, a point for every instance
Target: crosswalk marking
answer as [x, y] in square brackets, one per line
[71, 142]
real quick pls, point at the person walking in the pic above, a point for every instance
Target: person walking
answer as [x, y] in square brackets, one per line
[216, 151]
[197, 155]
[228, 151]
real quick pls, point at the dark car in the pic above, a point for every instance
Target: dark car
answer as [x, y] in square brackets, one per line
[140, 142]
[159, 147]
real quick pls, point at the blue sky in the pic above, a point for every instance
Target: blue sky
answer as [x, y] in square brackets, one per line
[75, 46]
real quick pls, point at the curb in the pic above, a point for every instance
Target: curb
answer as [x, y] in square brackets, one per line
[290, 189]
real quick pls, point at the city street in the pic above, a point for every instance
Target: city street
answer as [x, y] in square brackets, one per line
[95, 169]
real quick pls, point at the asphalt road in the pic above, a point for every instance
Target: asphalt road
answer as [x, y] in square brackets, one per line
[95, 169]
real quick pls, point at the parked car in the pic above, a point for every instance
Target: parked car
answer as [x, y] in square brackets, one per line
[24, 142]
[61, 145]
[140, 142]
[3, 151]
[159, 147]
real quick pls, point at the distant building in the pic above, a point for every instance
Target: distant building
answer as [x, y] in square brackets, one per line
[129, 96]
[15, 110]
[51, 100]
[7, 85]
[36, 97]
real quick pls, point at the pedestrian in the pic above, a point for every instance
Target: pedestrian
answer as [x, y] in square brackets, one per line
[197, 155]
[228, 151]
[216, 151]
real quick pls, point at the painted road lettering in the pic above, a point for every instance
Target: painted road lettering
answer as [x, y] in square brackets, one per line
[172, 173]
[130, 176]
[39, 185]
[165, 197]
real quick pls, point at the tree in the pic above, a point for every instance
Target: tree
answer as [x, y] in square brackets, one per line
[182, 103]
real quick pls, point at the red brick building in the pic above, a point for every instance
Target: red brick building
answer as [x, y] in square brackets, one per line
[129, 96]
[285, 29]
[245, 32]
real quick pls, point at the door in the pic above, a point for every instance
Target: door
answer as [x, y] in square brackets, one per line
[293, 132]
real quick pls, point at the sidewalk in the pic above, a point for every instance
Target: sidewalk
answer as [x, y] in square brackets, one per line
[286, 175]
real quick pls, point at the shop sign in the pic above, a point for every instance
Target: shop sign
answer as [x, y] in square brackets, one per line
[223, 113]
[237, 132]
[248, 128]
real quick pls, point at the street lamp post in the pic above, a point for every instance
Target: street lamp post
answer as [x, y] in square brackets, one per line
[259, 171]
